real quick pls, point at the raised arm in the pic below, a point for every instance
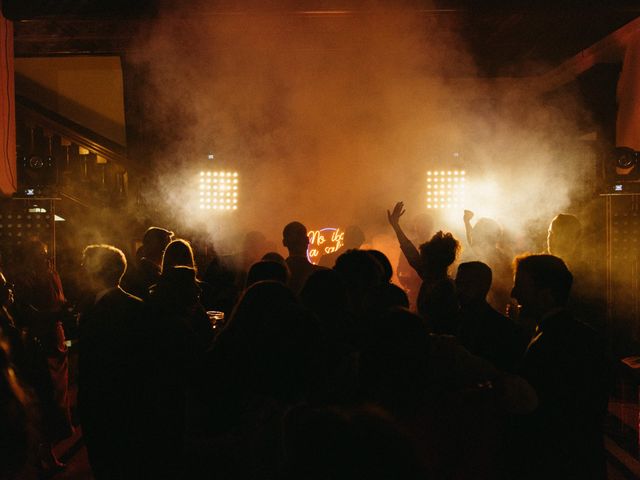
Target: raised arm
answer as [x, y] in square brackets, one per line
[408, 248]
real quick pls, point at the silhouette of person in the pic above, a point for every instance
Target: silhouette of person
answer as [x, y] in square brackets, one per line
[587, 300]
[437, 302]
[484, 331]
[40, 308]
[149, 267]
[180, 253]
[422, 229]
[109, 362]
[295, 239]
[567, 365]
[353, 238]
[179, 333]
[267, 270]
[484, 240]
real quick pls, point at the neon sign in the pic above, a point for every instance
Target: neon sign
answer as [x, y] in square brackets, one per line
[322, 242]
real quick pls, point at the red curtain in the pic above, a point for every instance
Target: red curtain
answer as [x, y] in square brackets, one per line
[8, 176]
[628, 122]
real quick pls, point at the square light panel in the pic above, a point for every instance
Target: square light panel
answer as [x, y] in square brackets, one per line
[445, 189]
[218, 190]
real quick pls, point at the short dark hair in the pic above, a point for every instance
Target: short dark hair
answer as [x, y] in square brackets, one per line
[441, 251]
[294, 235]
[104, 262]
[481, 272]
[547, 271]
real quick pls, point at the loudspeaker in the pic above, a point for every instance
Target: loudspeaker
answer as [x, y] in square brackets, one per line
[37, 171]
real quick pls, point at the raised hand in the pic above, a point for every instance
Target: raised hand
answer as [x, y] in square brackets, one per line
[394, 216]
[468, 215]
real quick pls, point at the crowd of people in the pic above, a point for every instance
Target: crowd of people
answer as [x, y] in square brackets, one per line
[286, 369]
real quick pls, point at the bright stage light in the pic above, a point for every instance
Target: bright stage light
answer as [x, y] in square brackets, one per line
[218, 190]
[445, 189]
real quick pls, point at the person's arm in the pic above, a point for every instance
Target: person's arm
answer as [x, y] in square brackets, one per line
[408, 248]
[468, 215]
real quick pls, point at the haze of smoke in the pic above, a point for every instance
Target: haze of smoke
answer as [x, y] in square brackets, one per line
[330, 120]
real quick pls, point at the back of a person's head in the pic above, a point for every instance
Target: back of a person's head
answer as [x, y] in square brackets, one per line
[384, 261]
[567, 226]
[325, 291]
[267, 270]
[380, 299]
[279, 340]
[155, 240]
[564, 234]
[105, 263]
[260, 301]
[441, 251]
[294, 237]
[178, 252]
[473, 280]
[487, 231]
[360, 270]
[353, 237]
[547, 272]
[177, 287]
[274, 257]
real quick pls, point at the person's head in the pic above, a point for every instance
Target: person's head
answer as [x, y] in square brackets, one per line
[178, 252]
[154, 241]
[361, 272]
[353, 237]
[563, 235]
[274, 257]
[278, 340]
[439, 253]
[104, 265]
[542, 283]
[486, 232]
[6, 292]
[294, 237]
[266, 270]
[35, 254]
[473, 282]
[384, 261]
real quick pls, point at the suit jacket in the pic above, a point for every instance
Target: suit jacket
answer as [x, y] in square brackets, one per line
[566, 363]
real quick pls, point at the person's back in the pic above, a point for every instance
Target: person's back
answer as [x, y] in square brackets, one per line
[567, 365]
[482, 330]
[110, 366]
[294, 238]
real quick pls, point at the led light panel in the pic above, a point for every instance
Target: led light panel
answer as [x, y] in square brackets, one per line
[445, 189]
[218, 190]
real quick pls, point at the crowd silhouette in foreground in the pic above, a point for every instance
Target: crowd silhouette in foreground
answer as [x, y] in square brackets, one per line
[290, 370]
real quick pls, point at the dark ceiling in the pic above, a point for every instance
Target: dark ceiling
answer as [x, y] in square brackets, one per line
[502, 36]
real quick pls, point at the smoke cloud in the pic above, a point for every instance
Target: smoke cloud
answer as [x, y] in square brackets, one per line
[330, 118]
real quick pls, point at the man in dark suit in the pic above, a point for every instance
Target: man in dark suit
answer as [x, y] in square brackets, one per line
[567, 365]
[109, 366]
